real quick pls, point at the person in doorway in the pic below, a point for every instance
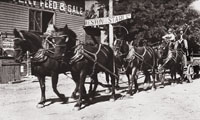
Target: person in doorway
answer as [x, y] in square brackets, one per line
[49, 41]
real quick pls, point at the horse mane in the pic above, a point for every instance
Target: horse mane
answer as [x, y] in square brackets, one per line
[34, 38]
[72, 35]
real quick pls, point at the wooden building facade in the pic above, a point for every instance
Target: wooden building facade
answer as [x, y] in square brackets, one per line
[34, 16]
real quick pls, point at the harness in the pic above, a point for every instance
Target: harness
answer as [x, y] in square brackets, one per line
[95, 58]
[80, 52]
[147, 50]
[40, 55]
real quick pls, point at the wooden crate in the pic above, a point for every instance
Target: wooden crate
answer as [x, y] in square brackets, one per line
[9, 70]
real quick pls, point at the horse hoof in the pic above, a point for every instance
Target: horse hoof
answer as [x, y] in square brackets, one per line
[172, 84]
[65, 100]
[76, 108]
[162, 86]
[153, 89]
[107, 91]
[190, 81]
[129, 94]
[112, 100]
[40, 105]
[62, 96]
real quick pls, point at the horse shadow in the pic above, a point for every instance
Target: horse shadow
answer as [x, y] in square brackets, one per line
[51, 101]
[99, 99]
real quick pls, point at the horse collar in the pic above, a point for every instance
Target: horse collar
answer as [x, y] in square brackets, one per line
[39, 56]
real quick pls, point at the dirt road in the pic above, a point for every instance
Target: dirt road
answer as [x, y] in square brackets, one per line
[179, 102]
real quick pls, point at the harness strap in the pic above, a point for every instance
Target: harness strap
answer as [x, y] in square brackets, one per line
[141, 57]
[95, 58]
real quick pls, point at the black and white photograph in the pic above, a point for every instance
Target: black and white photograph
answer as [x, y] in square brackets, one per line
[99, 59]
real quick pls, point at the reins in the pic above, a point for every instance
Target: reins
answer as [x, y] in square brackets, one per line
[141, 57]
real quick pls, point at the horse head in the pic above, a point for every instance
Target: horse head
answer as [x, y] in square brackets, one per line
[131, 51]
[25, 41]
[163, 48]
[65, 40]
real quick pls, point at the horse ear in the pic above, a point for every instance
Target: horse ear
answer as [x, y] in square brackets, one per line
[16, 33]
[66, 27]
[56, 29]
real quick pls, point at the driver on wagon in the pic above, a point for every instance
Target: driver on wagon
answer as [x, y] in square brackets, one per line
[170, 38]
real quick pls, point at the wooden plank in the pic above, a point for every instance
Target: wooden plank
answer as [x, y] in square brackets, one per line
[17, 17]
[9, 71]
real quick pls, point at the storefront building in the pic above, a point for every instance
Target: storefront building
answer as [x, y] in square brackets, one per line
[35, 15]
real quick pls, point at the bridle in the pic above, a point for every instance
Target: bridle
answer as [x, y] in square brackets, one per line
[31, 54]
[54, 45]
[118, 47]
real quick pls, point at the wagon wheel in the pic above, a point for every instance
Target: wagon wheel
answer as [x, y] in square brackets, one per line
[189, 73]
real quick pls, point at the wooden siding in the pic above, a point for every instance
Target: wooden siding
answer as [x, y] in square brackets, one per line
[9, 70]
[13, 16]
[74, 22]
[17, 16]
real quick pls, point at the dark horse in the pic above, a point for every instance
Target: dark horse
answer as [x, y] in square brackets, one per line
[87, 60]
[169, 59]
[121, 50]
[42, 63]
[137, 58]
[141, 58]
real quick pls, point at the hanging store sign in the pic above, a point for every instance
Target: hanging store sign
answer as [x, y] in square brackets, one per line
[8, 45]
[107, 20]
[53, 5]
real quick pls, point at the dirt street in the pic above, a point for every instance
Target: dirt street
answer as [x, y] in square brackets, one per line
[179, 102]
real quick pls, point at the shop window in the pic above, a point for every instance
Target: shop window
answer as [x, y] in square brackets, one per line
[39, 20]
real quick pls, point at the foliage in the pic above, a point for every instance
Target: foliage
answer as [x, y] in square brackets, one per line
[151, 19]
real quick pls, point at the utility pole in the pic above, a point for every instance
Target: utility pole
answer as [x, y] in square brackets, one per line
[110, 25]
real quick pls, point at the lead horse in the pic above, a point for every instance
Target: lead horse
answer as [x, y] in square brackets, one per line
[87, 60]
[43, 63]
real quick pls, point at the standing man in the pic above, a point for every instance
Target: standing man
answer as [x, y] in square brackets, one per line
[182, 45]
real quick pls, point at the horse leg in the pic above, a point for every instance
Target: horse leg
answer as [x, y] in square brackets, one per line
[42, 87]
[162, 77]
[173, 76]
[107, 80]
[91, 85]
[117, 81]
[54, 85]
[133, 79]
[76, 80]
[92, 91]
[128, 77]
[154, 76]
[147, 79]
[81, 89]
[113, 88]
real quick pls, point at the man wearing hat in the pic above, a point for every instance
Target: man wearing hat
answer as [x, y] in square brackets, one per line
[182, 44]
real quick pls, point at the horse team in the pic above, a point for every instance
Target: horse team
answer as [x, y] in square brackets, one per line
[84, 60]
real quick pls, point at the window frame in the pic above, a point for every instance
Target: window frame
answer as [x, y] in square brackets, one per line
[41, 19]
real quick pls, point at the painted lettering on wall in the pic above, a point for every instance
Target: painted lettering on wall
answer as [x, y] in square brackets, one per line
[52, 5]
